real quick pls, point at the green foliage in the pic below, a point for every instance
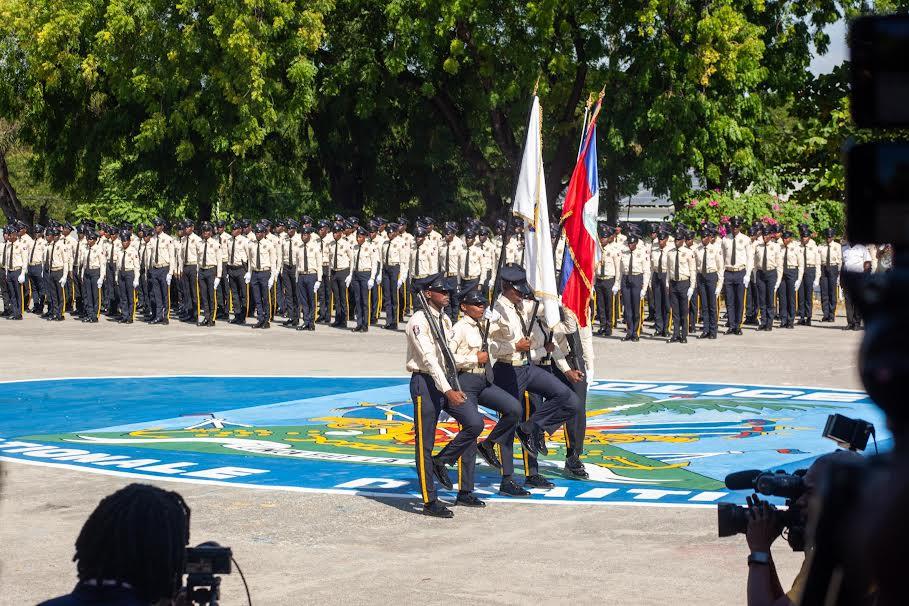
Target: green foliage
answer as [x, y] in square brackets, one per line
[718, 206]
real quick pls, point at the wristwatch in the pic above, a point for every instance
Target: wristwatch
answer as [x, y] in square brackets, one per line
[759, 557]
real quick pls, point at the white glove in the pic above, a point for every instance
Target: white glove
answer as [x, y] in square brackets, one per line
[719, 289]
[492, 315]
[217, 282]
[21, 278]
[169, 278]
[817, 288]
[63, 280]
[777, 287]
[400, 282]
[100, 282]
[817, 283]
[747, 278]
[370, 284]
[615, 290]
[247, 277]
[840, 292]
[690, 292]
[271, 280]
[348, 280]
[136, 282]
[316, 286]
[643, 292]
[797, 284]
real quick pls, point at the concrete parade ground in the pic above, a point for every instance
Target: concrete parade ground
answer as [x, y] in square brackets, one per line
[321, 548]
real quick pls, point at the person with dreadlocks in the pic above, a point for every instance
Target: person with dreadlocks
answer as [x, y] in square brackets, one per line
[131, 550]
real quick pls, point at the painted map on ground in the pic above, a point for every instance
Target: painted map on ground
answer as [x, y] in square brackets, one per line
[659, 443]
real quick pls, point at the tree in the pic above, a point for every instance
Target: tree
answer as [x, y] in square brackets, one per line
[183, 92]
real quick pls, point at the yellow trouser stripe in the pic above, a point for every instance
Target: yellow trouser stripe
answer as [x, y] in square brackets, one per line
[418, 421]
[640, 320]
[526, 417]
[135, 302]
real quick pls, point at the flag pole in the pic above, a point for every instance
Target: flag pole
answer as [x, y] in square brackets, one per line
[509, 227]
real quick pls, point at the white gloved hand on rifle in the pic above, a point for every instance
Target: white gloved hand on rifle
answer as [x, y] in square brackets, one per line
[217, 282]
[247, 277]
[492, 315]
[316, 286]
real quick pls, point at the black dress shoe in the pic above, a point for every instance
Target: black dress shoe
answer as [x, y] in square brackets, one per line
[509, 488]
[356, 329]
[487, 450]
[538, 481]
[301, 328]
[683, 340]
[703, 335]
[258, 325]
[468, 499]
[635, 339]
[673, 340]
[627, 338]
[311, 327]
[761, 328]
[575, 469]
[738, 331]
[266, 325]
[527, 440]
[437, 510]
[540, 439]
[711, 336]
[729, 331]
[441, 473]
[201, 323]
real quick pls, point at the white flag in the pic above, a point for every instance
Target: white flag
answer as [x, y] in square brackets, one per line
[530, 204]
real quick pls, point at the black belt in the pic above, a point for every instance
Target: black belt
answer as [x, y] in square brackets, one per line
[234, 267]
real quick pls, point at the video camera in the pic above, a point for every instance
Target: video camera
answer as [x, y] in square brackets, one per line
[732, 519]
[203, 564]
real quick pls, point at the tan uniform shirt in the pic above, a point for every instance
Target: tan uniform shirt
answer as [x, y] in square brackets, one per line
[514, 251]
[709, 259]
[237, 251]
[364, 257]
[56, 257]
[659, 259]
[308, 258]
[262, 255]
[830, 254]
[423, 353]
[394, 252]
[92, 257]
[609, 266]
[465, 343]
[681, 264]
[17, 256]
[635, 262]
[161, 252]
[339, 254]
[810, 256]
[474, 263]
[515, 322]
[224, 241]
[126, 259]
[209, 254]
[424, 259]
[189, 247]
[737, 253]
[767, 256]
[36, 251]
[791, 258]
[450, 257]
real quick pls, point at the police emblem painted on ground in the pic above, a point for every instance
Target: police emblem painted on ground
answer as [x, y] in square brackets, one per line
[656, 443]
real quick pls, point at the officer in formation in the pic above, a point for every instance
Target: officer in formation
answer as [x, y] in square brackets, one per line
[760, 275]
[499, 359]
[350, 273]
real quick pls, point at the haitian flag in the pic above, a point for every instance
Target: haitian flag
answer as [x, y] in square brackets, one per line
[579, 224]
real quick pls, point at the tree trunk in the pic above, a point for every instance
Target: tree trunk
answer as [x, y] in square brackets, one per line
[9, 200]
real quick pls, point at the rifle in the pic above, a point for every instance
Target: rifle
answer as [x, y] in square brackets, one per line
[449, 365]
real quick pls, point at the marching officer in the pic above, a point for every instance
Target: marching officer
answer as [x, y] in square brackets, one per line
[710, 266]
[127, 277]
[831, 258]
[634, 277]
[189, 272]
[516, 343]
[790, 279]
[449, 266]
[659, 259]
[208, 252]
[324, 240]
[162, 265]
[431, 391]
[93, 266]
[476, 379]
[811, 262]
[224, 241]
[308, 262]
